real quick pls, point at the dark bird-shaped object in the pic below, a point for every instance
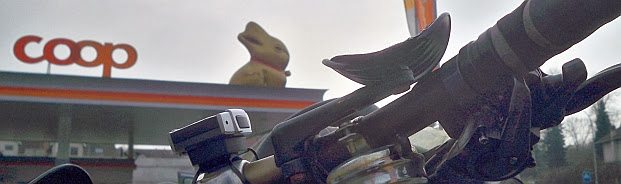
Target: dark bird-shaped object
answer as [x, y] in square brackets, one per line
[404, 62]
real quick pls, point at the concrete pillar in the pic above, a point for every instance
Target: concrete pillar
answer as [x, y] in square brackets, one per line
[63, 135]
[130, 136]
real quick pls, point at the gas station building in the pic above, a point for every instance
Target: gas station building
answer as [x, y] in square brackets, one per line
[100, 123]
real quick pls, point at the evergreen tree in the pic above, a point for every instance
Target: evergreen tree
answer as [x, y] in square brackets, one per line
[602, 124]
[540, 156]
[555, 144]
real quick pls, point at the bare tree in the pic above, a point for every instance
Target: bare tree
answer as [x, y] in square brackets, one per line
[577, 130]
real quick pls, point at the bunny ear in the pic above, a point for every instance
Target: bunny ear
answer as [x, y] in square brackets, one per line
[409, 60]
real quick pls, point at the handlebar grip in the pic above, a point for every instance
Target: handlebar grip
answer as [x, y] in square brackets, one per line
[540, 29]
[526, 38]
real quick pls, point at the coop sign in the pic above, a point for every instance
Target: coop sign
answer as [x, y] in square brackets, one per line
[104, 53]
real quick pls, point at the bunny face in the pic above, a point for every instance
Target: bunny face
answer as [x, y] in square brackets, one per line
[264, 47]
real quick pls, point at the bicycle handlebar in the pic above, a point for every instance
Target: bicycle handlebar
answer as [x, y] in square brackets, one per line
[520, 42]
[483, 71]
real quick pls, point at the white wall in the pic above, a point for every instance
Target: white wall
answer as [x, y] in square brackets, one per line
[9, 148]
[612, 152]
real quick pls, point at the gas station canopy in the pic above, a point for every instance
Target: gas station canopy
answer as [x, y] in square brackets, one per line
[105, 110]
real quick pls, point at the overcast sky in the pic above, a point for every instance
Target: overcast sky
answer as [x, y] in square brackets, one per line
[196, 41]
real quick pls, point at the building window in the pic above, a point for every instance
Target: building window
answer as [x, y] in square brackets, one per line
[74, 151]
[99, 150]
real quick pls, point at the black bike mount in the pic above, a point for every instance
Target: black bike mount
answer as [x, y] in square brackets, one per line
[496, 142]
[499, 132]
[214, 144]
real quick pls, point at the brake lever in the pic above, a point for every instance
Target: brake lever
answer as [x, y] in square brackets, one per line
[594, 89]
[552, 93]
[571, 92]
